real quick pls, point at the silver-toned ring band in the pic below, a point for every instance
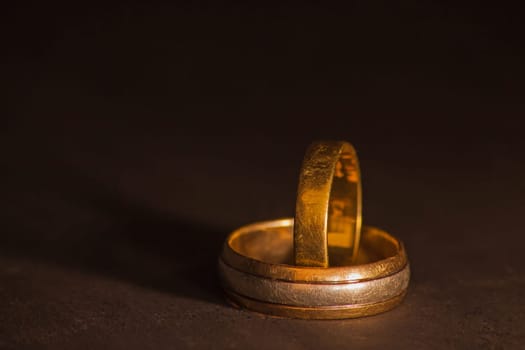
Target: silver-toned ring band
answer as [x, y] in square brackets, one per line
[307, 294]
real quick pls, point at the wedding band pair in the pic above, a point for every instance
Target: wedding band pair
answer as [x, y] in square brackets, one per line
[322, 264]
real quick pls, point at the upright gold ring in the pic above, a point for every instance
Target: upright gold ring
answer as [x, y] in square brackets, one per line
[328, 207]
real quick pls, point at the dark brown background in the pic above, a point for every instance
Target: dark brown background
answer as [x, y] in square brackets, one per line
[137, 136]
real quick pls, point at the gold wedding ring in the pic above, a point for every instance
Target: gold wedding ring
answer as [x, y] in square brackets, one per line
[328, 207]
[316, 268]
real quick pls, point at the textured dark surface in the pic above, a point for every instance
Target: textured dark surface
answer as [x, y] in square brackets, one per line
[138, 136]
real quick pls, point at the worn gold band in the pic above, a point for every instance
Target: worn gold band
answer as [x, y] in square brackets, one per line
[328, 207]
[256, 273]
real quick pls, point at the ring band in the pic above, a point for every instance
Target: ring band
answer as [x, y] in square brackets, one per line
[328, 207]
[315, 294]
[256, 275]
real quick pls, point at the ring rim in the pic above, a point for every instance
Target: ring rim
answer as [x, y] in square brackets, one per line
[291, 273]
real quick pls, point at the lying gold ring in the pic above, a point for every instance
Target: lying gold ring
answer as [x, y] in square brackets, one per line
[328, 207]
[256, 274]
